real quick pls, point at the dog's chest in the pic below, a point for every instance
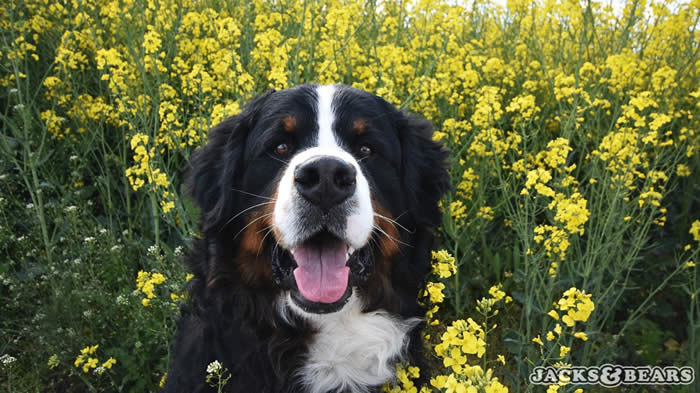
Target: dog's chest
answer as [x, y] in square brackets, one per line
[352, 350]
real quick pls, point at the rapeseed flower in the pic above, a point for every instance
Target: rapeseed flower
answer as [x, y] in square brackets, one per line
[146, 283]
[443, 264]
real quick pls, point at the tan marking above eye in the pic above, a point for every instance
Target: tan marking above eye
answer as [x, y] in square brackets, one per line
[289, 123]
[359, 126]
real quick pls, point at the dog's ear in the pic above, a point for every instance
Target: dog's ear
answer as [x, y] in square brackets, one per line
[424, 175]
[215, 167]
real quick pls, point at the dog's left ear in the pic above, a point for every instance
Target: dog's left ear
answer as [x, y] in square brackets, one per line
[215, 167]
[424, 175]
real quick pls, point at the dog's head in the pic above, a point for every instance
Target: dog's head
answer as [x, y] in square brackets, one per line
[317, 190]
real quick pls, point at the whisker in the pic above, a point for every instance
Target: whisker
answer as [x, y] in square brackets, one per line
[373, 242]
[390, 237]
[245, 210]
[278, 159]
[275, 248]
[401, 215]
[389, 220]
[251, 194]
[269, 228]
[251, 223]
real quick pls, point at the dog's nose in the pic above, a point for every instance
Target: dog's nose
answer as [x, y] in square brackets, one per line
[325, 182]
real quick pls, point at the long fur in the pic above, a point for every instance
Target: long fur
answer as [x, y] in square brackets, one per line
[238, 315]
[352, 349]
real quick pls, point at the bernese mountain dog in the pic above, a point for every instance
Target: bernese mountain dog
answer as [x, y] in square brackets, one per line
[318, 208]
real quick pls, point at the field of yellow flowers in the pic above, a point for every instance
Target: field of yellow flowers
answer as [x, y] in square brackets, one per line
[570, 237]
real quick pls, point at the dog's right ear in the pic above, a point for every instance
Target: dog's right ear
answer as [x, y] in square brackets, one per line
[215, 167]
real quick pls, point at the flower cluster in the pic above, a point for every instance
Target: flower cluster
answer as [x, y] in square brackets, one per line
[695, 230]
[574, 306]
[443, 266]
[462, 338]
[146, 283]
[86, 361]
[486, 305]
[405, 376]
[217, 375]
[464, 342]
[144, 173]
[577, 305]
[7, 360]
[551, 180]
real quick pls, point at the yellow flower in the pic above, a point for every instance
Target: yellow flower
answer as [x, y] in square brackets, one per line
[524, 105]
[537, 340]
[54, 362]
[493, 387]
[552, 388]
[151, 40]
[146, 283]
[458, 212]
[568, 320]
[581, 336]
[434, 289]
[578, 306]
[158, 278]
[89, 350]
[563, 350]
[572, 212]
[695, 230]
[109, 363]
[175, 297]
[502, 359]
[167, 206]
[443, 264]
[496, 292]
[89, 363]
[682, 170]
[485, 212]
[439, 381]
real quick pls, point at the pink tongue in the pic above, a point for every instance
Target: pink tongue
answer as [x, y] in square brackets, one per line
[321, 274]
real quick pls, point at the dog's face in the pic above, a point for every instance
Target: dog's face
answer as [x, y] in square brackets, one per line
[316, 190]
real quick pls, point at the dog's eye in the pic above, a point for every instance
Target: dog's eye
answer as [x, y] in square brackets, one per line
[283, 148]
[365, 150]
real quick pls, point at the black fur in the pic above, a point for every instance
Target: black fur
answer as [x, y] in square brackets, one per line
[233, 320]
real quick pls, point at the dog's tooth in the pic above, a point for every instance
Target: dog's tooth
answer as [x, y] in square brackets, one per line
[350, 251]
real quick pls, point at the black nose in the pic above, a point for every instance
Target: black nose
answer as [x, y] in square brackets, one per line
[325, 182]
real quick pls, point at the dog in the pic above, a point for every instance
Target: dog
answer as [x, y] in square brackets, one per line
[318, 207]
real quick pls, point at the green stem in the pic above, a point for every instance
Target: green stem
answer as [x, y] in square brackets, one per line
[156, 218]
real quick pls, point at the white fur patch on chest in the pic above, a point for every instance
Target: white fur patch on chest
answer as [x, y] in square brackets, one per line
[352, 350]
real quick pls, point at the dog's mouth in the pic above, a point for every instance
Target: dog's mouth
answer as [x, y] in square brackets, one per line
[321, 271]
